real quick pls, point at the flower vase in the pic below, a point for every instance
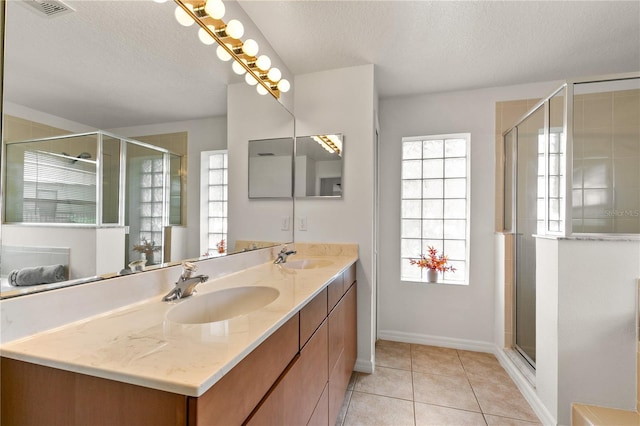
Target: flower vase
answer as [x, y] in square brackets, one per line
[432, 276]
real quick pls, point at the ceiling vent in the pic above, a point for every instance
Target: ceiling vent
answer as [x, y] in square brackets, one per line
[49, 8]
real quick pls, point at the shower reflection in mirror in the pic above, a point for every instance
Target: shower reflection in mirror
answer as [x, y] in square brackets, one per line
[120, 193]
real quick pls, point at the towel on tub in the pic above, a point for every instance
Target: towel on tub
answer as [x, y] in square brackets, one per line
[37, 275]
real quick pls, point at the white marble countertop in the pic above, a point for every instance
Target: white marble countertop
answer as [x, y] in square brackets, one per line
[138, 345]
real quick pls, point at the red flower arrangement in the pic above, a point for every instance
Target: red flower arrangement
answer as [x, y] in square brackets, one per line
[433, 261]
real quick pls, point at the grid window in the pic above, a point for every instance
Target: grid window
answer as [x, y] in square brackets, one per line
[217, 201]
[151, 200]
[435, 204]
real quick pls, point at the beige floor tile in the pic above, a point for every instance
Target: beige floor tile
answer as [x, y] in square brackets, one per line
[386, 382]
[482, 364]
[503, 399]
[448, 391]
[434, 362]
[393, 356]
[366, 410]
[504, 421]
[427, 414]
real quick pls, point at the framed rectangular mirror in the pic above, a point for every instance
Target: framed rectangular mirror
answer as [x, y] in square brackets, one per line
[319, 166]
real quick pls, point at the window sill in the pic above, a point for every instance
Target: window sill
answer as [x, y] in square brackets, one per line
[443, 282]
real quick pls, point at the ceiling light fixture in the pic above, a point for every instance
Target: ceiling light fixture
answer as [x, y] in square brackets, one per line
[208, 15]
[331, 143]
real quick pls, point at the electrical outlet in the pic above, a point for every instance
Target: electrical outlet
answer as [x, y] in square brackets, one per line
[303, 224]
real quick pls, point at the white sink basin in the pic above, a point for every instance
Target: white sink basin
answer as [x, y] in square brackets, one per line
[222, 305]
[306, 264]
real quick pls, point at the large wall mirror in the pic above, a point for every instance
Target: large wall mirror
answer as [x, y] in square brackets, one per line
[115, 144]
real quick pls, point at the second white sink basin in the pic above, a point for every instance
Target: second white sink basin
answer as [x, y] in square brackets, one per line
[306, 264]
[222, 305]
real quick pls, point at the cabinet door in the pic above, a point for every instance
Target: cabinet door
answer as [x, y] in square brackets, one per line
[293, 399]
[342, 350]
[311, 316]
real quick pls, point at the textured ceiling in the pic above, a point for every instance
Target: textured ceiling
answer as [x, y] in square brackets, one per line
[112, 64]
[121, 63]
[435, 46]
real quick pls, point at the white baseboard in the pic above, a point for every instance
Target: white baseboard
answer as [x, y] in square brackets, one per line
[363, 366]
[446, 342]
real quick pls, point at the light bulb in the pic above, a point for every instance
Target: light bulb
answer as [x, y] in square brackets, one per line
[222, 54]
[274, 75]
[250, 47]
[251, 80]
[160, 1]
[238, 68]
[183, 17]
[284, 85]
[214, 8]
[263, 62]
[234, 29]
[205, 37]
[261, 90]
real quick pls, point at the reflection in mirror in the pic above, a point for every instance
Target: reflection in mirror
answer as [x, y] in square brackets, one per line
[270, 168]
[319, 162]
[157, 100]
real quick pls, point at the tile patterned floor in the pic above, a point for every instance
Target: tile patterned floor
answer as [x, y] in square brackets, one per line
[426, 385]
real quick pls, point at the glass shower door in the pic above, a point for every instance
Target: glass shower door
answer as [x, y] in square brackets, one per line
[529, 220]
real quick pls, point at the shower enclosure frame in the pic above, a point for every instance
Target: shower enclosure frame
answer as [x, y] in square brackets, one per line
[566, 193]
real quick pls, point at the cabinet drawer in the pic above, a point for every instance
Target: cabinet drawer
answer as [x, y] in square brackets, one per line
[335, 290]
[312, 315]
[349, 277]
[231, 400]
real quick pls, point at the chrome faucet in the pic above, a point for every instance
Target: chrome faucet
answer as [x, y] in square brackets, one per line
[282, 256]
[186, 284]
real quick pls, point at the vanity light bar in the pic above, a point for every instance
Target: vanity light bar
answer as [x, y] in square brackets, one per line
[257, 67]
[331, 143]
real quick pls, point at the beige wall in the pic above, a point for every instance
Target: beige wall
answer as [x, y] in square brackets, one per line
[17, 129]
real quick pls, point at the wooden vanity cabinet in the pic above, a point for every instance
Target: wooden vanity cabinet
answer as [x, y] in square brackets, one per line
[312, 389]
[297, 376]
[33, 394]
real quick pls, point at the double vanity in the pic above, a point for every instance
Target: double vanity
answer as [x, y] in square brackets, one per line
[265, 344]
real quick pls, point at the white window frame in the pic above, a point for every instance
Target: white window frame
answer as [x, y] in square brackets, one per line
[204, 201]
[407, 236]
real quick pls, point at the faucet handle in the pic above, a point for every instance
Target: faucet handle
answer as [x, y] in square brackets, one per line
[187, 269]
